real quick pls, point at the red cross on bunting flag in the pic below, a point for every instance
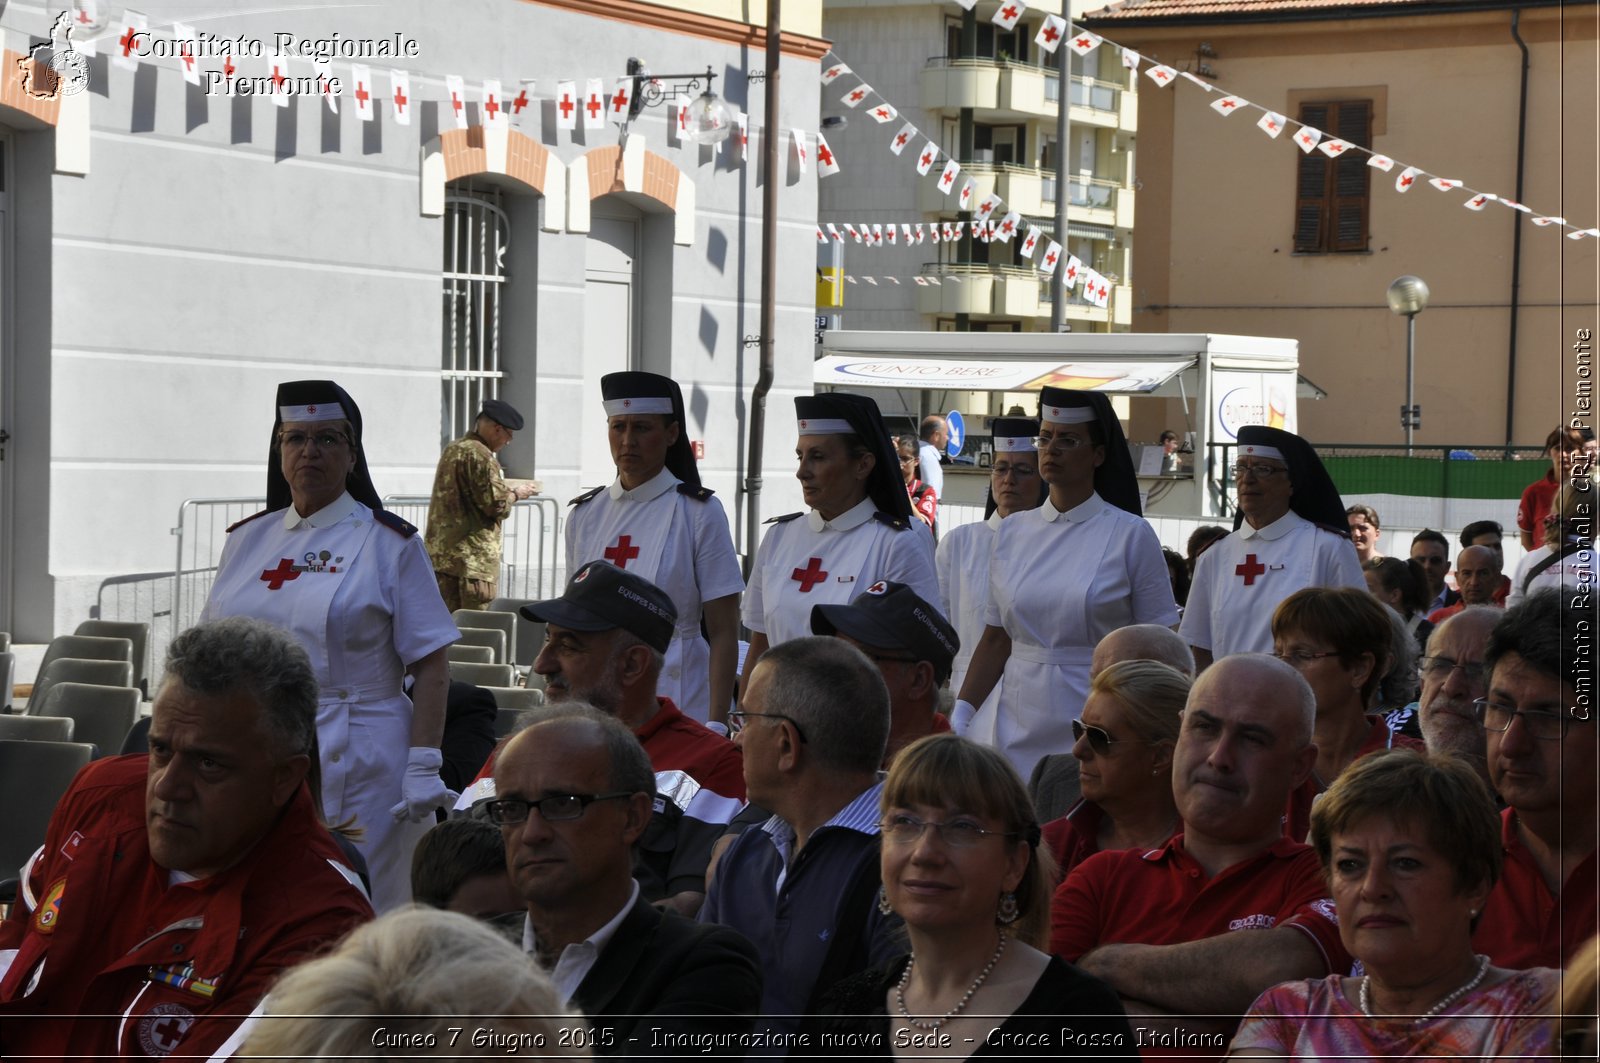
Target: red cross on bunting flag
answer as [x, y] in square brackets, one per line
[1542, 222]
[1008, 14]
[1444, 184]
[834, 73]
[883, 113]
[925, 160]
[742, 120]
[1162, 75]
[1030, 241]
[1307, 138]
[827, 165]
[1071, 272]
[1407, 178]
[1333, 147]
[1226, 105]
[1479, 201]
[521, 101]
[968, 190]
[279, 68]
[1052, 254]
[619, 100]
[799, 147]
[1083, 43]
[361, 77]
[1271, 124]
[853, 98]
[228, 70]
[898, 144]
[567, 105]
[947, 180]
[400, 96]
[594, 105]
[494, 106]
[457, 88]
[324, 69]
[187, 39]
[135, 30]
[990, 204]
[1051, 32]
[1380, 162]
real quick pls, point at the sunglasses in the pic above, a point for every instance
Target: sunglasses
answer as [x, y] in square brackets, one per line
[1099, 740]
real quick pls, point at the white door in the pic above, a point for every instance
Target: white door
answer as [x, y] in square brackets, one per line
[610, 332]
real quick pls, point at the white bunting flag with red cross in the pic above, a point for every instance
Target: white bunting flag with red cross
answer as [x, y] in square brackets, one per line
[1444, 184]
[1307, 138]
[741, 123]
[1088, 276]
[898, 144]
[968, 4]
[822, 237]
[1380, 162]
[833, 231]
[922, 282]
[458, 99]
[893, 236]
[1052, 255]
[680, 123]
[983, 230]
[883, 113]
[621, 96]
[827, 165]
[278, 73]
[1514, 205]
[1083, 42]
[925, 160]
[1008, 14]
[361, 91]
[851, 229]
[186, 39]
[594, 105]
[1227, 105]
[920, 234]
[1050, 34]
[1008, 226]
[1334, 147]
[324, 74]
[947, 179]
[1096, 288]
[1582, 233]
[855, 96]
[1407, 178]
[1162, 75]
[834, 73]
[905, 233]
[134, 26]
[519, 103]
[1030, 241]
[968, 190]
[492, 112]
[400, 96]
[1072, 272]
[1542, 222]
[567, 105]
[799, 148]
[1479, 201]
[877, 234]
[933, 232]
[86, 21]
[990, 204]
[1130, 58]
[1271, 124]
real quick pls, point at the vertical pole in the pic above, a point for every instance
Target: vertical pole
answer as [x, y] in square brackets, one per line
[965, 135]
[1409, 420]
[1058, 291]
[769, 273]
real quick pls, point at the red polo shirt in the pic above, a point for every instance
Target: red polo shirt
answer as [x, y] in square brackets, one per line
[675, 742]
[1074, 837]
[1524, 924]
[1535, 504]
[1297, 816]
[1162, 897]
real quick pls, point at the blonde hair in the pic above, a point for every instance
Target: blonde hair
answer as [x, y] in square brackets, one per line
[947, 771]
[1151, 694]
[400, 985]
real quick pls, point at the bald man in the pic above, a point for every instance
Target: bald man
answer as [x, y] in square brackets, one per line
[1477, 578]
[1054, 783]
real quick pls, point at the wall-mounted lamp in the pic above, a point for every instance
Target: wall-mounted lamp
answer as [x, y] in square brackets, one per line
[710, 119]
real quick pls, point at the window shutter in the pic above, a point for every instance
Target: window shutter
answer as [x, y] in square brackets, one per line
[1311, 189]
[1352, 178]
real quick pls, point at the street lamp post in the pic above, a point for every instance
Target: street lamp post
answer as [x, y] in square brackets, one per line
[1408, 296]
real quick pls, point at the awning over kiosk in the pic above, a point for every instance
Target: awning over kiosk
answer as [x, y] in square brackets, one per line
[995, 374]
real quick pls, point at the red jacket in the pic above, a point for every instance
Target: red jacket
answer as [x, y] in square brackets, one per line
[152, 968]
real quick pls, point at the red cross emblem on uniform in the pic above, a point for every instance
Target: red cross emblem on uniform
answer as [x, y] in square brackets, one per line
[623, 552]
[275, 578]
[311, 409]
[809, 576]
[878, 588]
[1249, 569]
[626, 403]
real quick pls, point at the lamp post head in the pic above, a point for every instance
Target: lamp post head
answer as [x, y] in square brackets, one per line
[710, 117]
[1408, 295]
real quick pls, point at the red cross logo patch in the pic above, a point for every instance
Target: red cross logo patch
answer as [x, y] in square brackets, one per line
[878, 588]
[311, 409]
[582, 575]
[48, 914]
[162, 1029]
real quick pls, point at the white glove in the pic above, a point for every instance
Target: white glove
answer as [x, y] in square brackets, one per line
[961, 716]
[421, 789]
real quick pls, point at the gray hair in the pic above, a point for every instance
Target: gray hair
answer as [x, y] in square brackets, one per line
[413, 973]
[836, 696]
[240, 654]
[630, 764]
[1401, 684]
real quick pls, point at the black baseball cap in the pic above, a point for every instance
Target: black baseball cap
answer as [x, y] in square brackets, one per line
[503, 414]
[892, 616]
[600, 596]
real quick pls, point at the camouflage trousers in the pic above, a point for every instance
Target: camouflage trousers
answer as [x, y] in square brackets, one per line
[459, 592]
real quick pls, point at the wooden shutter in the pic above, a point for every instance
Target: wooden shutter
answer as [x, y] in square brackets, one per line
[1332, 195]
[1311, 189]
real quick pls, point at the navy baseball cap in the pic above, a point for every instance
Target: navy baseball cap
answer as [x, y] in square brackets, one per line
[892, 616]
[600, 596]
[503, 414]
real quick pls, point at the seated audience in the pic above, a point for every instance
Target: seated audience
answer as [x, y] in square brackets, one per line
[416, 983]
[1340, 640]
[1403, 587]
[961, 863]
[1478, 581]
[573, 796]
[1431, 550]
[460, 866]
[913, 646]
[1364, 532]
[1541, 750]
[1453, 679]
[803, 885]
[1399, 684]
[1229, 906]
[1408, 843]
[1564, 560]
[1124, 746]
[173, 887]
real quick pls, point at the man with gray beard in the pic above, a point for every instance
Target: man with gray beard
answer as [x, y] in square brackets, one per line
[1452, 679]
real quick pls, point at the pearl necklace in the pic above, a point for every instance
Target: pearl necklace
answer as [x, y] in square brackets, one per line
[934, 1025]
[1451, 998]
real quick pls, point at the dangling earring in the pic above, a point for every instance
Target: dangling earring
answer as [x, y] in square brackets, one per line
[883, 902]
[1008, 911]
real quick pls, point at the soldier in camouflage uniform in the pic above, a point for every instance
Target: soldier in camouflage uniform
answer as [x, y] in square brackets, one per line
[470, 499]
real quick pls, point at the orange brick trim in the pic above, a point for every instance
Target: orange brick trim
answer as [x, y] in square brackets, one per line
[660, 179]
[464, 156]
[13, 98]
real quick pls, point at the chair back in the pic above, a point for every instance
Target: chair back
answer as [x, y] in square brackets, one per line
[483, 675]
[516, 697]
[8, 679]
[5, 641]
[138, 740]
[33, 776]
[491, 618]
[530, 633]
[460, 651]
[493, 638]
[135, 632]
[86, 648]
[77, 670]
[34, 729]
[102, 715]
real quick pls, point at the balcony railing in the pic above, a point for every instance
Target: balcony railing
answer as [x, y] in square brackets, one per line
[1086, 91]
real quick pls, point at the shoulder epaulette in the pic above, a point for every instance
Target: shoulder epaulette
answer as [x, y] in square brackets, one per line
[784, 519]
[394, 523]
[247, 520]
[581, 499]
[897, 523]
[699, 494]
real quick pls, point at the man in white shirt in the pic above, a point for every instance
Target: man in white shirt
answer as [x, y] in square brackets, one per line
[574, 793]
[935, 434]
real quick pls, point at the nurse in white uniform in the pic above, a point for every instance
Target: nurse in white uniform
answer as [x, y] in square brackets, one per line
[656, 521]
[1062, 577]
[354, 586]
[962, 559]
[859, 529]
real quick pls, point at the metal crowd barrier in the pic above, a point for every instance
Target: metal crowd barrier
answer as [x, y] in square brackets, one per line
[531, 559]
